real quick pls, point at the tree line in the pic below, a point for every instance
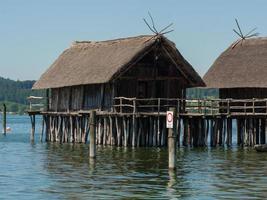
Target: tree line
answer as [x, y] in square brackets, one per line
[14, 94]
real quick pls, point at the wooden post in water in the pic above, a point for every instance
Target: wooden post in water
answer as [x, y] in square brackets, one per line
[172, 138]
[33, 127]
[134, 124]
[262, 136]
[42, 129]
[4, 119]
[92, 146]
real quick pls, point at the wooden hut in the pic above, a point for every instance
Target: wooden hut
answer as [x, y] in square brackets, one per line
[240, 72]
[93, 75]
[89, 75]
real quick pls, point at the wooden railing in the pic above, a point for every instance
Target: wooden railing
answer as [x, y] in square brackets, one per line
[183, 106]
[134, 105]
[192, 106]
[36, 103]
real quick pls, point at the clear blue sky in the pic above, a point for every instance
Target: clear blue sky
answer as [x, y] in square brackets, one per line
[34, 32]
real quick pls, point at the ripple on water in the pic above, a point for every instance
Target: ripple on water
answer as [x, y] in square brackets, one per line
[43, 171]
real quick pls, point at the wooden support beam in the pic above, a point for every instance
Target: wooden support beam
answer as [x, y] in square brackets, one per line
[229, 131]
[42, 129]
[33, 127]
[262, 134]
[92, 150]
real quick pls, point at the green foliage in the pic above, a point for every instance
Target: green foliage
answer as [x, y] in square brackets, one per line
[14, 94]
[14, 107]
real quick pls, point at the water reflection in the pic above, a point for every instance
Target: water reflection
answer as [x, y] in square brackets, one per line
[142, 173]
[172, 178]
[64, 171]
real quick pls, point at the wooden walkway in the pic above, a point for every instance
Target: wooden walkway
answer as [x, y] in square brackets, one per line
[185, 107]
[142, 122]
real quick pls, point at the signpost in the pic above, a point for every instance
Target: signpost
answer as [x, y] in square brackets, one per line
[171, 138]
[169, 119]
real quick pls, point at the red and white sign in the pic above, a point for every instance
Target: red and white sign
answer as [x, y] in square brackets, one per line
[169, 119]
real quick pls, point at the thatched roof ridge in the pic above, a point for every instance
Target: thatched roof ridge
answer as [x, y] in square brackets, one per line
[88, 62]
[244, 66]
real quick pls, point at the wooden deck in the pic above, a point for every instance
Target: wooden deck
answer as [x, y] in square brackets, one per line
[209, 108]
[142, 122]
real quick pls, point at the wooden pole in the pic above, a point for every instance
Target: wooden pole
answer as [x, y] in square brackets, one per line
[262, 136]
[33, 127]
[4, 119]
[118, 128]
[257, 132]
[42, 129]
[238, 126]
[185, 135]
[92, 150]
[134, 125]
[124, 131]
[172, 142]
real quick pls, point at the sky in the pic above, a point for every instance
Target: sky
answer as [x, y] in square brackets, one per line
[33, 33]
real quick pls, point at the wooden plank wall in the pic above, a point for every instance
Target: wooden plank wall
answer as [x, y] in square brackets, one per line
[81, 97]
[243, 93]
[92, 97]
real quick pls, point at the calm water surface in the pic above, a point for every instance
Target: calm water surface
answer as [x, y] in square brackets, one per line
[53, 171]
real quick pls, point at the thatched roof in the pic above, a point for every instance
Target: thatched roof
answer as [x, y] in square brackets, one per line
[100, 62]
[244, 66]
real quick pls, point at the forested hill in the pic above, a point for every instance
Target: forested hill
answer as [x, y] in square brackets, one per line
[14, 94]
[15, 91]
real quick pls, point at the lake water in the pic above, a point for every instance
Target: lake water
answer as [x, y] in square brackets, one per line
[53, 171]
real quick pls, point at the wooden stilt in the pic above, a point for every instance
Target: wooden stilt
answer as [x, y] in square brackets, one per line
[154, 133]
[207, 132]
[118, 129]
[71, 130]
[47, 128]
[229, 132]
[33, 127]
[185, 132]
[87, 129]
[212, 132]
[150, 132]
[139, 133]
[257, 132]
[105, 131]
[92, 150]
[111, 132]
[134, 131]
[127, 130]
[159, 132]
[124, 130]
[263, 129]
[42, 129]
[164, 132]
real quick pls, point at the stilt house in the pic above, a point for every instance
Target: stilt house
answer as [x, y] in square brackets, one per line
[240, 72]
[130, 82]
[89, 75]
